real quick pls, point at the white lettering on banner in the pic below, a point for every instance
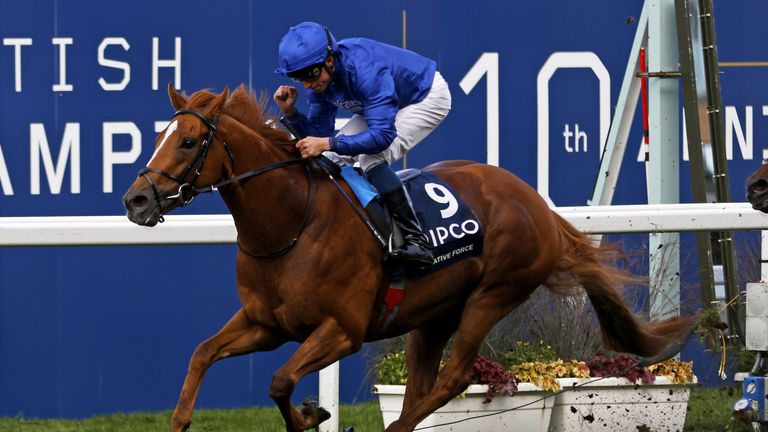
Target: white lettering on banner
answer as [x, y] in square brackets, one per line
[556, 61]
[160, 125]
[733, 127]
[175, 63]
[455, 230]
[112, 157]
[5, 179]
[70, 150]
[744, 137]
[765, 151]
[487, 65]
[103, 61]
[69, 156]
[578, 136]
[62, 85]
[17, 43]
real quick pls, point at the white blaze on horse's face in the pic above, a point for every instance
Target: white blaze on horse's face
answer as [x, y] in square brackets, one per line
[168, 132]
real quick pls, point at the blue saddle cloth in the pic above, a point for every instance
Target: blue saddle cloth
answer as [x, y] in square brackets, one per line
[363, 189]
[452, 228]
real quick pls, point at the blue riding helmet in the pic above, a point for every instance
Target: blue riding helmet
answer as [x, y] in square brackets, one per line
[304, 45]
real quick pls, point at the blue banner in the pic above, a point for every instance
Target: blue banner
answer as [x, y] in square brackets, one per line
[89, 330]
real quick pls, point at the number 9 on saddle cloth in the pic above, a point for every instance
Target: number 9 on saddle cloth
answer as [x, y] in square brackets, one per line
[450, 225]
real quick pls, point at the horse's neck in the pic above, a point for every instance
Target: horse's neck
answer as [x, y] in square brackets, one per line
[269, 208]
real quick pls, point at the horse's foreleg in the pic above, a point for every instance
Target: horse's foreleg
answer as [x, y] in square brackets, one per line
[477, 320]
[327, 344]
[423, 352]
[239, 336]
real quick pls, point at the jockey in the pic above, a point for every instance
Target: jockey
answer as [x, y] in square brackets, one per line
[397, 98]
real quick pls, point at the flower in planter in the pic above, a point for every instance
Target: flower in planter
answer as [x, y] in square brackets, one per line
[544, 374]
[677, 371]
[537, 364]
[621, 365]
[537, 368]
[492, 373]
[391, 369]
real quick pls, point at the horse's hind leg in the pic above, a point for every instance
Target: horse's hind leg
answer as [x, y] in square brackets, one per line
[238, 336]
[327, 344]
[479, 316]
[423, 352]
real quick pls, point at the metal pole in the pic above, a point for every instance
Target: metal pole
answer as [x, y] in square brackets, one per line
[736, 315]
[697, 133]
[664, 182]
[616, 144]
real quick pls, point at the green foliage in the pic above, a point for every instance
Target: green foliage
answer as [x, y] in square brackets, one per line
[710, 329]
[529, 353]
[390, 369]
[745, 360]
[710, 409]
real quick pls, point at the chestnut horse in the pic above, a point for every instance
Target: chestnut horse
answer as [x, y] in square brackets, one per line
[757, 189]
[309, 271]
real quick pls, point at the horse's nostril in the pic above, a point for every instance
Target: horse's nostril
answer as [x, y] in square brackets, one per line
[137, 203]
[758, 186]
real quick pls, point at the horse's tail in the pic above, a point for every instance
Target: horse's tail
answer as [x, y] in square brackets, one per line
[585, 265]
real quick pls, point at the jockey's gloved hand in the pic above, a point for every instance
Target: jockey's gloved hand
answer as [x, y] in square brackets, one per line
[285, 97]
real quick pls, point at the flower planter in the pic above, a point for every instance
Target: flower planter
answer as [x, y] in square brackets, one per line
[533, 417]
[610, 404]
[614, 404]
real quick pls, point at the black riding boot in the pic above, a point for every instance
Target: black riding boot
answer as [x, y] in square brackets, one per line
[415, 247]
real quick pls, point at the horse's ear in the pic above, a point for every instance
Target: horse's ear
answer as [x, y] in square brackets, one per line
[216, 103]
[177, 100]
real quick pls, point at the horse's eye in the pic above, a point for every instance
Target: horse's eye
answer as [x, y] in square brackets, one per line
[188, 143]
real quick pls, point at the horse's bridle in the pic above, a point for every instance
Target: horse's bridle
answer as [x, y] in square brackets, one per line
[188, 188]
[196, 165]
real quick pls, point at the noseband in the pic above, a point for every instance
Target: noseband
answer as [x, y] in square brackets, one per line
[187, 191]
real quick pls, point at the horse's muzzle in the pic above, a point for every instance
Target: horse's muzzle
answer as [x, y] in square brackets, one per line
[757, 193]
[141, 207]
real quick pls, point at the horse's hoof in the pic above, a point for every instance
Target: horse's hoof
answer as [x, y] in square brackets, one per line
[313, 413]
[323, 414]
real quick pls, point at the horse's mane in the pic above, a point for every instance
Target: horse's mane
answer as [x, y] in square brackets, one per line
[248, 108]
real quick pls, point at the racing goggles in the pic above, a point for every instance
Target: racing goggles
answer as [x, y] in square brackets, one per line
[308, 74]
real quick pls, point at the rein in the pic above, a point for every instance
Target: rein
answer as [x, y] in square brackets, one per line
[329, 168]
[187, 191]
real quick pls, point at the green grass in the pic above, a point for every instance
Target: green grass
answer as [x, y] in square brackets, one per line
[364, 417]
[708, 410]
